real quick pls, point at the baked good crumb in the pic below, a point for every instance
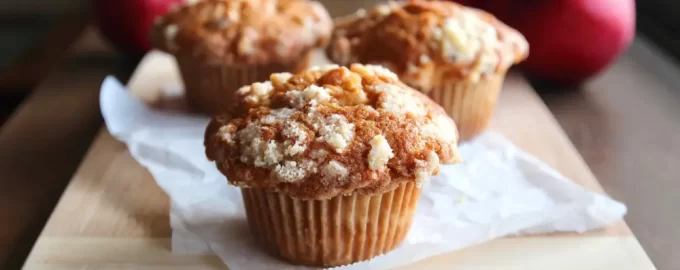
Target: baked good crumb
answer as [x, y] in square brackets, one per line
[331, 131]
[421, 39]
[243, 31]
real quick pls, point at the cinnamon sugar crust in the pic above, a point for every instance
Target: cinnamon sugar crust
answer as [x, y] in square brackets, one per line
[243, 31]
[329, 131]
[420, 40]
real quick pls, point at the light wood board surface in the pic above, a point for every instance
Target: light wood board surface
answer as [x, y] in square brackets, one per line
[112, 214]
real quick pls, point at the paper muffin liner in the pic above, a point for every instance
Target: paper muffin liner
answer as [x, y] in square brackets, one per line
[338, 231]
[471, 104]
[210, 87]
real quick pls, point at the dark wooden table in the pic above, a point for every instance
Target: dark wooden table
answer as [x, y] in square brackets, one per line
[45, 139]
[625, 124]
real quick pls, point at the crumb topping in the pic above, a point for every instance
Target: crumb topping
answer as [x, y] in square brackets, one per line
[417, 36]
[426, 167]
[380, 153]
[243, 31]
[331, 130]
[335, 131]
[334, 171]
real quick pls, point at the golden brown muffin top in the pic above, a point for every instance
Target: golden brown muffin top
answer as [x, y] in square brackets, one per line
[329, 131]
[243, 31]
[413, 38]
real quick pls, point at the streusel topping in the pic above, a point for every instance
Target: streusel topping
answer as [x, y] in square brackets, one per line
[331, 130]
[243, 31]
[414, 37]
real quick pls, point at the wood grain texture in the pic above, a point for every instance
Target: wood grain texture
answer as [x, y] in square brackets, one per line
[625, 124]
[112, 202]
[42, 144]
[538, 253]
[111, 195]
[114, 253]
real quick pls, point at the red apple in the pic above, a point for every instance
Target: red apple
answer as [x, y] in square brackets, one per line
[569, 40]
[126, 23]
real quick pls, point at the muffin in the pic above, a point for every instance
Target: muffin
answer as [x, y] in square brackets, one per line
[456, 55]
[331, 161]
[221, 45]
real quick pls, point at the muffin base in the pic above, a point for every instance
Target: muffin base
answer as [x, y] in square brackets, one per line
[470, 104]
[338, 231]
[210, 87]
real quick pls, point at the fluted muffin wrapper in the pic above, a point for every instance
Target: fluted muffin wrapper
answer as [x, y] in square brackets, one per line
[471, 104]
[333, 232]
[210, 87]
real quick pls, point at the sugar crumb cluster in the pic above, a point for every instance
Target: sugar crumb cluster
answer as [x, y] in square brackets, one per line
[437, 33]
[207, 28]
[334, 127]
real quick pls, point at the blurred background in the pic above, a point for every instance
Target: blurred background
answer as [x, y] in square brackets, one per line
[620, 113]
[35, 34]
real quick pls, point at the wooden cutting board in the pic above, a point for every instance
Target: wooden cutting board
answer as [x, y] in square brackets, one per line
[112, 215]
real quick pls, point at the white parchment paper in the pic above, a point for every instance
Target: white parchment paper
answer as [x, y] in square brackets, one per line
[499, 190]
